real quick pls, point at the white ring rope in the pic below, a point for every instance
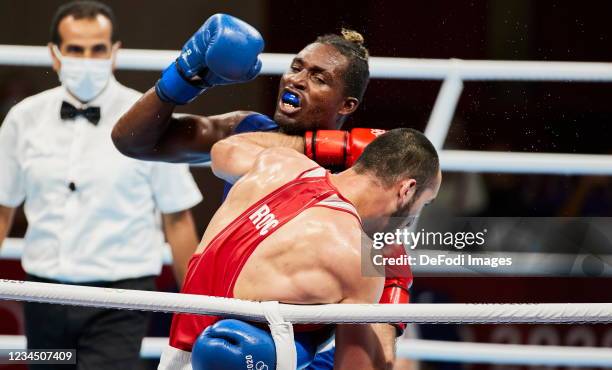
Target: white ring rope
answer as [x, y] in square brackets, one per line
[406, 68]
[432, 350]
[518, 162]
[152, 347]
[506, 354]
[524, 264]
[332, 313]
[380, 67]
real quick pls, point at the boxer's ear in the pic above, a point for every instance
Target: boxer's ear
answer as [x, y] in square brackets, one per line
[406, 191]
[349, 105]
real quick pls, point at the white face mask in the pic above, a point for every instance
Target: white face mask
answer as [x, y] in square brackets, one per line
[85, 78]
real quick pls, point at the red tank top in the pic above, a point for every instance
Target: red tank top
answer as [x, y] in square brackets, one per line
[214, 271]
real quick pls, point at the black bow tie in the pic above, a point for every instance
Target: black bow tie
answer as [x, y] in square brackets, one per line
[69, 111]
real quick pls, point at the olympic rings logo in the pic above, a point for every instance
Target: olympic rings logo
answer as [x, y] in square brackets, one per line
[259, 365]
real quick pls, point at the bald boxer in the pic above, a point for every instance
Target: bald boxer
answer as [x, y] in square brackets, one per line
[290, 231]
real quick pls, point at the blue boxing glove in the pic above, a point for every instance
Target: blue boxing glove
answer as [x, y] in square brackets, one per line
[236, 345]
[224, 50]
[233, 344]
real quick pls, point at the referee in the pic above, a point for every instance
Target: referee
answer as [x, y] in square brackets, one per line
[93, 214]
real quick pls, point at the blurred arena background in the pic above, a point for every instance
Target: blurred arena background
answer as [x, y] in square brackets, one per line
[559, 117]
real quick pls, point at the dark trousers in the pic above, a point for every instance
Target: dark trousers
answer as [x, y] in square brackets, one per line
[103, 338]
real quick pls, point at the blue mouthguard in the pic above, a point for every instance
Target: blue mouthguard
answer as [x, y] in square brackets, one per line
[290, 98]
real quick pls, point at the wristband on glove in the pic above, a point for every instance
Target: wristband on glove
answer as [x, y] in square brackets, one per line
[172, 87]
[394, 292]
[397, 282]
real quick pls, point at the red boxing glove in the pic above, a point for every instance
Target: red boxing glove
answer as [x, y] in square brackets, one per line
[398, 281]
[396, 291]
[338, 148]
[358, 139]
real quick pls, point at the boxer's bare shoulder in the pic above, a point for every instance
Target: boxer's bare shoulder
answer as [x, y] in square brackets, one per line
[282, 162]
[272, 168]
[315, 258]
[249, 153]
[336, 239]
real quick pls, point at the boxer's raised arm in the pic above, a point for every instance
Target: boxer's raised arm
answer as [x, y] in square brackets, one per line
[149, 131]
[236, 155]
[225, 50]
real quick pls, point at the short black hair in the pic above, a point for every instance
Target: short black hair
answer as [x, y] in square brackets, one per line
[80, 10]
[357, 74]
[398, 154]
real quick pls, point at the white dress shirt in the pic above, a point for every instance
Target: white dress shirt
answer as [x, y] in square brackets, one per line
[107, 228]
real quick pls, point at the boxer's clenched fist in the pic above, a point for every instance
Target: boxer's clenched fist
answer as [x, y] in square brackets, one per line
[233, 344]
[224, 50]
[338, 148]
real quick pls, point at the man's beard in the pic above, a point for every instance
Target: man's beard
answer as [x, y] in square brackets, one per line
[400, 219]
